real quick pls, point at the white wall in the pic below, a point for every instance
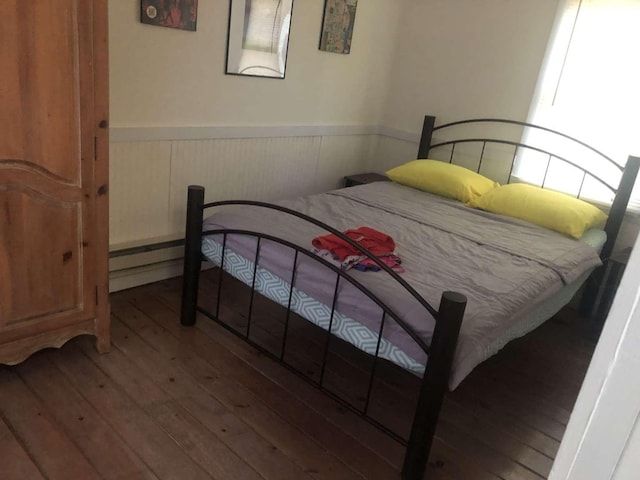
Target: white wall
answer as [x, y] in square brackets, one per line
[176, 118]
[602, 439]
[167, 77]
[173, 108]
[464, 58]
[453, 59]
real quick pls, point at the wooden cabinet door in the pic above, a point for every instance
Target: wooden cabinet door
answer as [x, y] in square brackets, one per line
[53, 223]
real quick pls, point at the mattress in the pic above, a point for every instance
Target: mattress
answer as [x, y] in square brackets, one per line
[505, 267]
[277, 289]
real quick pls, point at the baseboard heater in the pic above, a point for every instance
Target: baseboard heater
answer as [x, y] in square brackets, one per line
[136, 265]
[150, 247]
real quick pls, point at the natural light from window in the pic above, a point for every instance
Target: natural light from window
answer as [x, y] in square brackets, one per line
[589, 88]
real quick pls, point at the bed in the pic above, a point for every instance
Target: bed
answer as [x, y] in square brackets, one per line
[495, 278]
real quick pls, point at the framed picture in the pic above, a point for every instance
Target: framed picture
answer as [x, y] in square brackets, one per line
[258, 39]
[181, 14]
[337, 25]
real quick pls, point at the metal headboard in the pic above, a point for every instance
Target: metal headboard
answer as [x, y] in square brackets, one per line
[621, 191]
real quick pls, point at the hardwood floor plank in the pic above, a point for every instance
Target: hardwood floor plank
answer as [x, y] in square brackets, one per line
[533, 459]
[503, 439]
[164, 315]
[124, 414]
[443, 462]
[509, 423]
[171, 402]
[56, 455]
[550, 412]
[216, 457]
[394, 406]
[275, 395]
[254, 447]
[472, 416]
[498, 438]
[230, 391]
[491, 395]
[543, 399]
[483, 454]
[517, 357]
[389, 400]
[240, 401]
[164, 384]
[100, 444]
[477, 406]
[15, 461]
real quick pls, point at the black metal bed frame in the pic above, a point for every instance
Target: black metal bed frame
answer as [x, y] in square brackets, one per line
[448, 317]
[440, 351]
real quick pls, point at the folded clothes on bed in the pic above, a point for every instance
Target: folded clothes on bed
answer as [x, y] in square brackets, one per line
[392, 261]
[345, 256]
[376, 242]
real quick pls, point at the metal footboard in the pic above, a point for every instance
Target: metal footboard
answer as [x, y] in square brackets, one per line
[440, 350]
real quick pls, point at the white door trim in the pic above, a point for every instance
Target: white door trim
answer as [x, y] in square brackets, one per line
[608, 406]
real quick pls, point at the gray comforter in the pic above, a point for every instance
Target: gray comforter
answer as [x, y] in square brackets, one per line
[505, 267]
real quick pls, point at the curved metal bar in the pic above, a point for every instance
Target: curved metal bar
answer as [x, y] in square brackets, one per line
[335, 269]
[529, 125]
[613, 189]
[337, 233]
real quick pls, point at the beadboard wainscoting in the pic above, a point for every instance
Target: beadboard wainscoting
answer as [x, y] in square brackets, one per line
[152, 167]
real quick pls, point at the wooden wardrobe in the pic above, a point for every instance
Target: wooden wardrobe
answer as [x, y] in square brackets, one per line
[53, 175]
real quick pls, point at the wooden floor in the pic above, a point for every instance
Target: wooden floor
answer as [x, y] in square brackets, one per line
[171, 402]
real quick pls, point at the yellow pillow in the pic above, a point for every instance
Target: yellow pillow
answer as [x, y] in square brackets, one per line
[547, 208]
[442, 178]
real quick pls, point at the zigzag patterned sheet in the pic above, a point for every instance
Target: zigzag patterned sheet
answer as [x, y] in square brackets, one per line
[277, 289]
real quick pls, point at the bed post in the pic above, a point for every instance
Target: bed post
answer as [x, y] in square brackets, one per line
[434, 384]
[191, 272]
[425, 138]
[619, 206]
[614, 222]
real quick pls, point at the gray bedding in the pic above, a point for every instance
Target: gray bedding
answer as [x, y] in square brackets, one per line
[505, 267]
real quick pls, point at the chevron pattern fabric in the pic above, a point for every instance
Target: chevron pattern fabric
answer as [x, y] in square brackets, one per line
[277, 289]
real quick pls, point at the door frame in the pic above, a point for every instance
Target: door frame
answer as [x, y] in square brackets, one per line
[607, 411]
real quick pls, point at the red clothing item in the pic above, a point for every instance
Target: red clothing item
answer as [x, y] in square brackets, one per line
[376, 242]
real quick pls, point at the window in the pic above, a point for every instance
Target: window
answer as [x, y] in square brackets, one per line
[589, 88]
[263, 23]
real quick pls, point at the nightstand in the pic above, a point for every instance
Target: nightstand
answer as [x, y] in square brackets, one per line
[362, 178]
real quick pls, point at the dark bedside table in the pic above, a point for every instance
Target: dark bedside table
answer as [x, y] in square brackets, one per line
[362, 178]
